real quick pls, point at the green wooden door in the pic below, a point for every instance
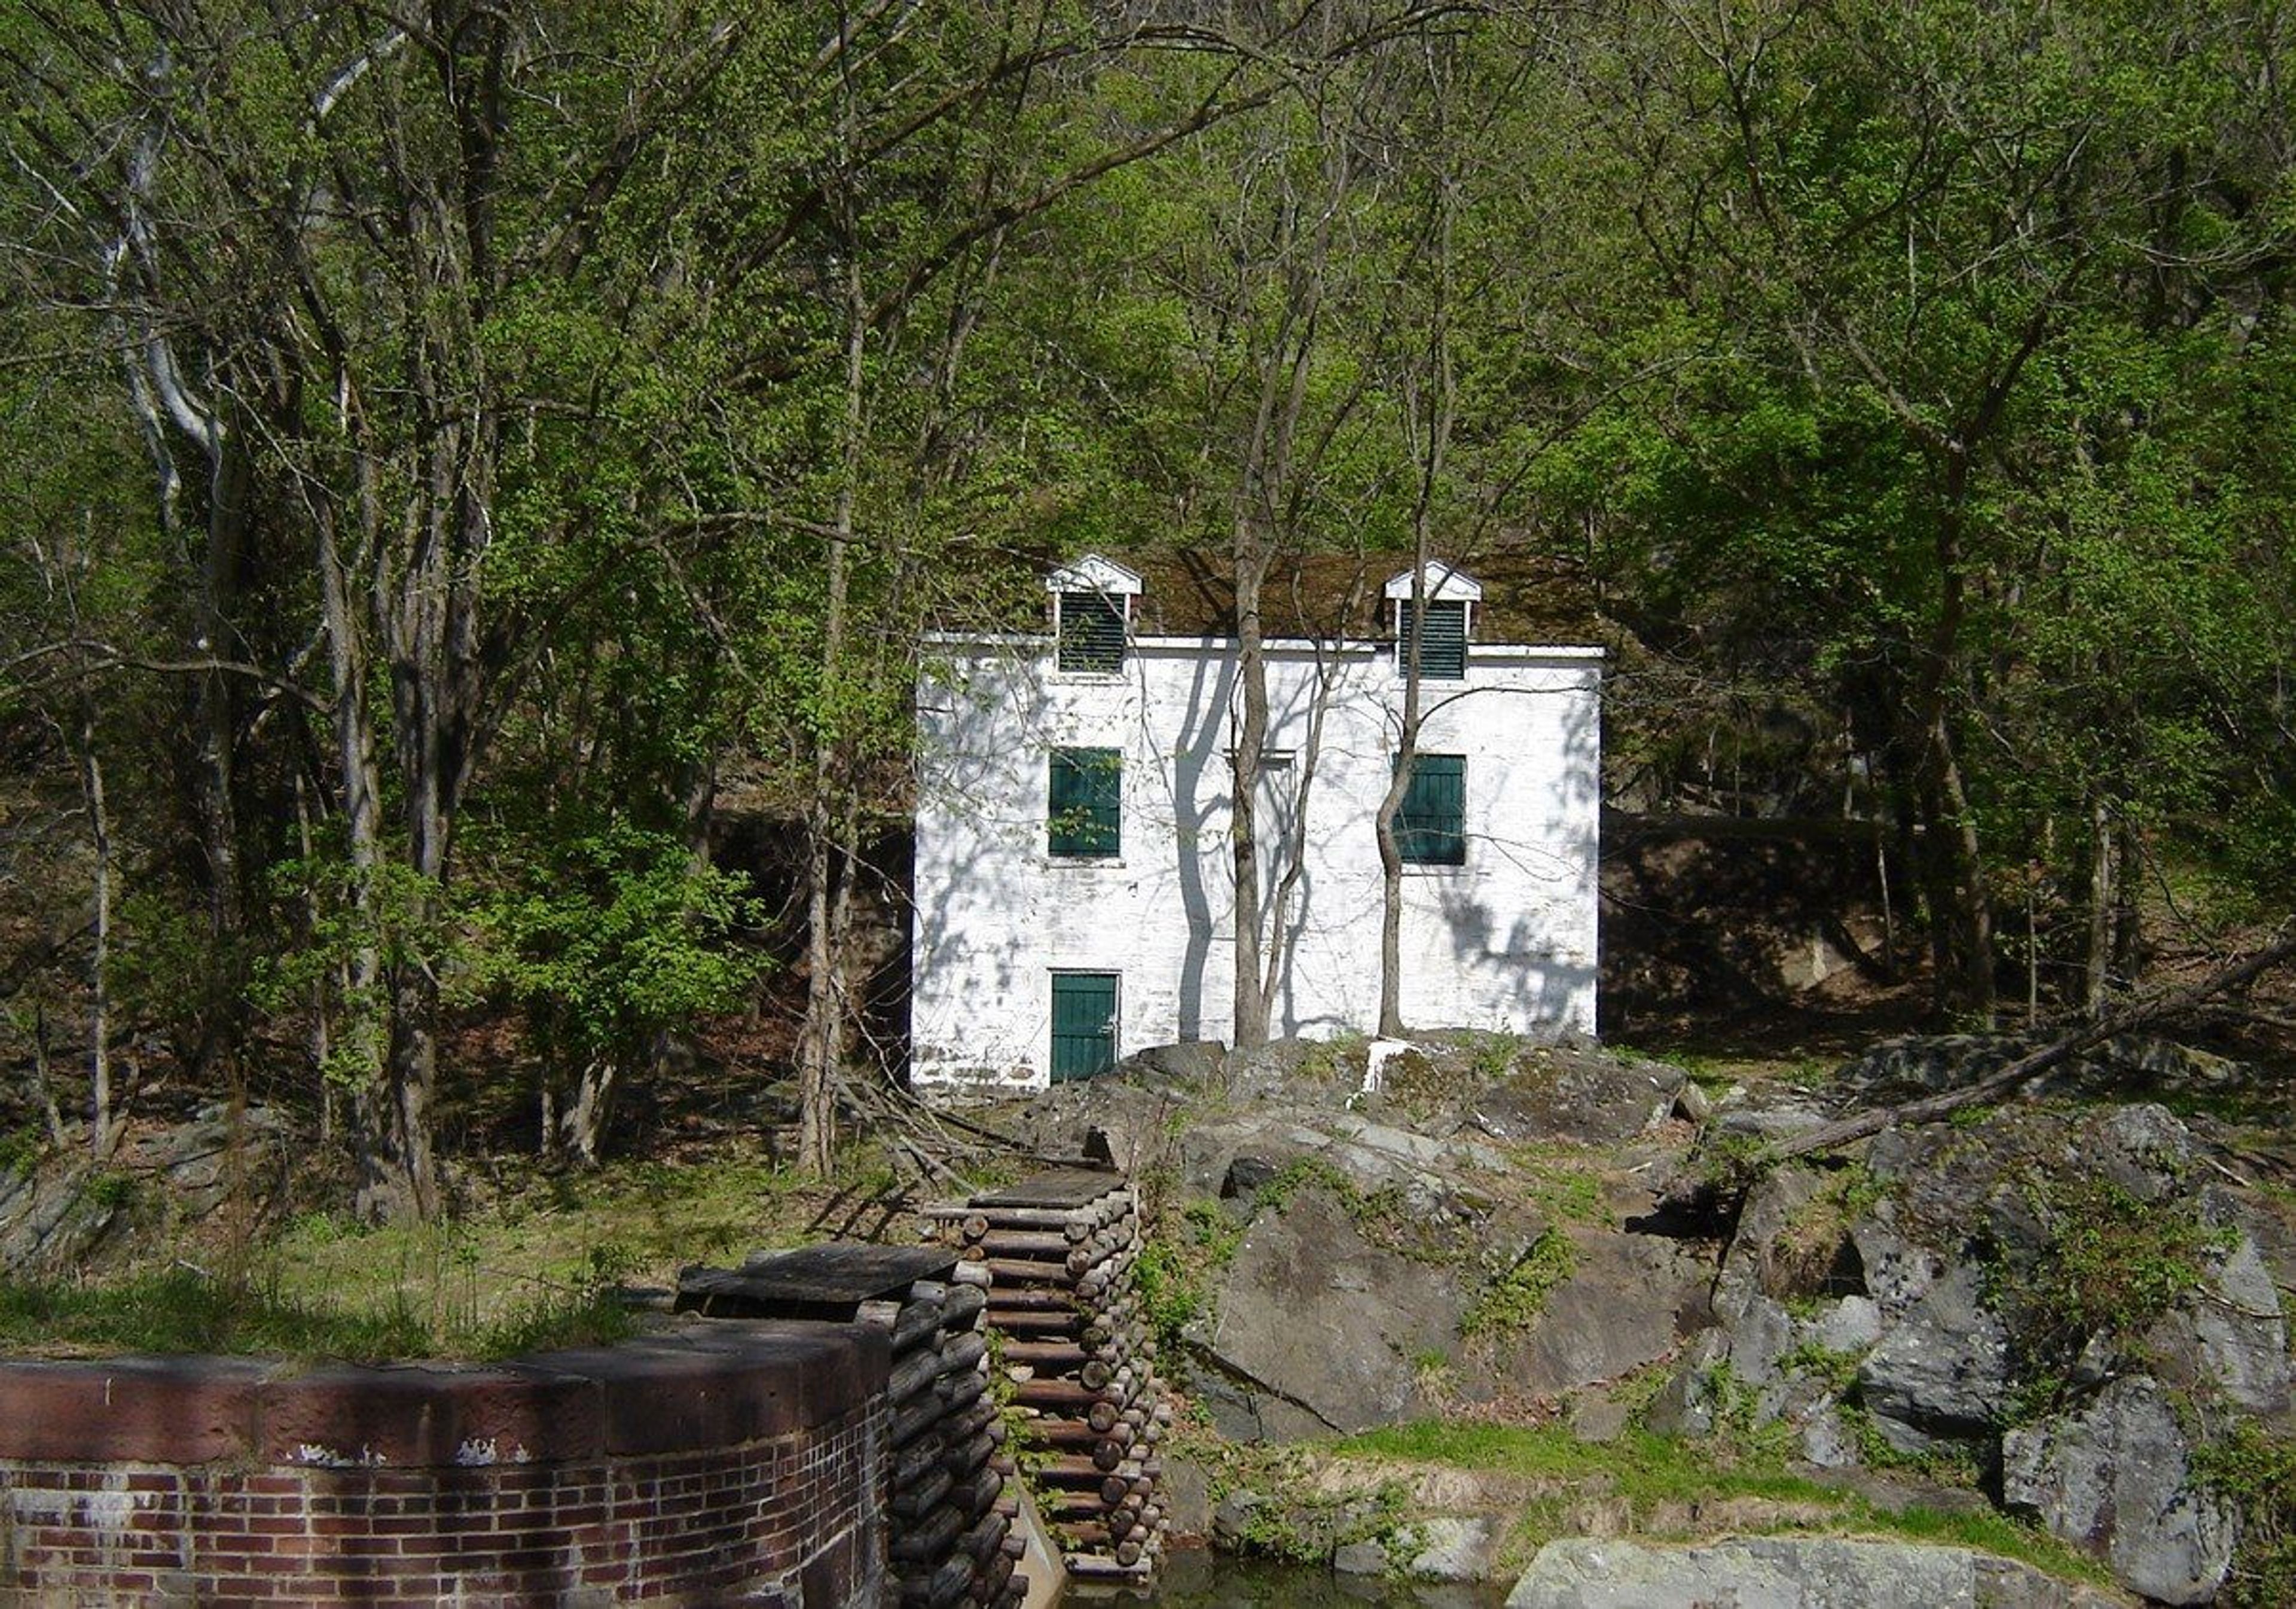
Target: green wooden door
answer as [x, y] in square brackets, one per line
[1084, 1024]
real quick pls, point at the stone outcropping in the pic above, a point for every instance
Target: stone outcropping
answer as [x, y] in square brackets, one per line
[1785, 1573]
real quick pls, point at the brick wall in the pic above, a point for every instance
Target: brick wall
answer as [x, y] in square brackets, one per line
[734, 1462]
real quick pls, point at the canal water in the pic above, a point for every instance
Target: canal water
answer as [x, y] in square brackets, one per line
[1198, 1579]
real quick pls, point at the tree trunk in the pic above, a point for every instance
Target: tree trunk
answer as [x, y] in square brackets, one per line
[1399, 785]
[102, 1134]
[2104, 892]
[823, 1035]
[582, 1122]
[1250, 1015]
[1962, 911]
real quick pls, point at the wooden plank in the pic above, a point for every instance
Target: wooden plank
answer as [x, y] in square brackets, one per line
[841, 1271]
[1056, 1187]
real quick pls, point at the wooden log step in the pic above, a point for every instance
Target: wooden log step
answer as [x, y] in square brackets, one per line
[1065, 1394]
[1081, 1438]
[1027, 1243]
[1001, 1271]
[970, 1273]
[1002, 1302]
[1067, 1508]
[1053, 1321]
[1046, 1354]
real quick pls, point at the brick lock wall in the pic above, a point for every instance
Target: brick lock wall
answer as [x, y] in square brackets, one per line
[739, 1463]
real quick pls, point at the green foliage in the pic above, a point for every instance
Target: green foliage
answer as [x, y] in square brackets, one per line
[2112, 1267]
[1512, 1303]
[1834, 1369]
[1663, 1482]
[1176, 1263]
[2255, 1471]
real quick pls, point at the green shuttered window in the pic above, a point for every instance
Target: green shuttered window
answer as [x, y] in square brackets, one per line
[1091, 632]
[1442, 647]
[1431, 828]
[1086, 798]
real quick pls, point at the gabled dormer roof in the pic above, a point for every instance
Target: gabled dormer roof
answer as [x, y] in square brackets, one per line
[1444, 585]
[1519, 592]
[1093, 573]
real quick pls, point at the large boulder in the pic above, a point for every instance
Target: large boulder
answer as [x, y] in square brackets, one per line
[1577, 1095]
[1785, 1573]
[2116, 1477]
[1628, 1301]
[1317, 1329]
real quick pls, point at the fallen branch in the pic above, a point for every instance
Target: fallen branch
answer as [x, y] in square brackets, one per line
[1929, 1109]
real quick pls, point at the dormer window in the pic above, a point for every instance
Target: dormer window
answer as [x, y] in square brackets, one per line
[1092, 614]
[1091, 629]
[1442, 645]
[1450, 597]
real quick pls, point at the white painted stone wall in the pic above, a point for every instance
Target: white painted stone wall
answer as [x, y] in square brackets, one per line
[1506, 941]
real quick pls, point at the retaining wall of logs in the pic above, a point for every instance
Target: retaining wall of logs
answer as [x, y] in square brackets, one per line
[949, 1535]
[1055, 1255]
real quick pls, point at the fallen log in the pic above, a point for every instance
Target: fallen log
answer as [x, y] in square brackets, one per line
[1929, 1109]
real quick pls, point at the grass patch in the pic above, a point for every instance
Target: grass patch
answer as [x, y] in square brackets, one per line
[1564, 1182]
[1513, 1303]
[2256, 1472]
[1662, 1480]
[530, 1271]
[182, 1311]
[2112, 1265]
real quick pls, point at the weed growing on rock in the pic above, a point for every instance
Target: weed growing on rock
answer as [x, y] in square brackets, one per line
[1835, 1369]
[1513, 1303]
[2111, 1265]
[2256, 1472]
[1660, 1486]
[1805, 1258]
[1173, 1273]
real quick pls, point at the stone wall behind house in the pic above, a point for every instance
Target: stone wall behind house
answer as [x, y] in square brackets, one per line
[725, 1463]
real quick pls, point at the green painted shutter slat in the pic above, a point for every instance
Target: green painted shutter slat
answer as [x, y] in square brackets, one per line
[1083, 792]
[1091, 632]
[1431, 828]
[1084, 1025]
[1442, 646]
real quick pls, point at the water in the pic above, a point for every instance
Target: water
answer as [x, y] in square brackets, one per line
[1197, 1579]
